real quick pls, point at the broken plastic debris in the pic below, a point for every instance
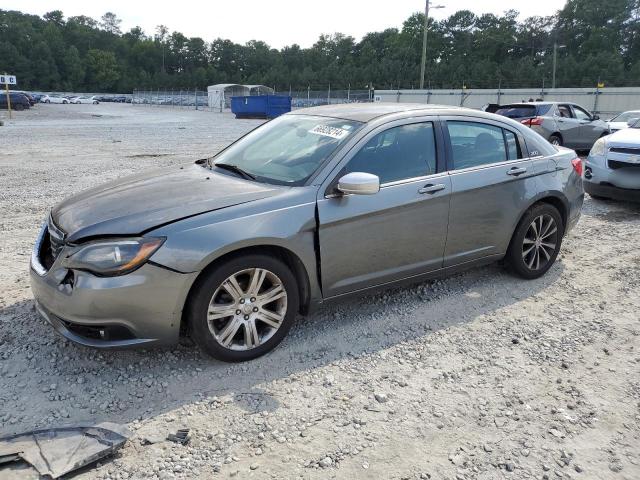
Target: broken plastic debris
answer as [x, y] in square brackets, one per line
[54, 452]
[181, 436]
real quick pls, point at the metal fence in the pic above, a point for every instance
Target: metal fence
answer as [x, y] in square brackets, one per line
[603, 101]
[198, 99]
[194, 98]
[313, 98]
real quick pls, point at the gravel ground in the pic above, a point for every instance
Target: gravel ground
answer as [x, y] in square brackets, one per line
[478, 376]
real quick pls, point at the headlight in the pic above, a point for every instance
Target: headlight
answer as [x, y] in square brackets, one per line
[598, 148]
[113, 257]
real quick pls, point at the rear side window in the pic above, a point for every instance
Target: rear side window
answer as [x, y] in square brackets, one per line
[513, 146]
[474, 144]
[399, 153]
[565, 111]
[517, 111]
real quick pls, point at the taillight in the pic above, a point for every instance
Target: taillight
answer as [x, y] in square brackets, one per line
[577, 166]
[532, 121]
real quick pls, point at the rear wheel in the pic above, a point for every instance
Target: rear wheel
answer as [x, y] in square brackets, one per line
[556, 140]
[18, 107]
[536, 241]
[243, 308]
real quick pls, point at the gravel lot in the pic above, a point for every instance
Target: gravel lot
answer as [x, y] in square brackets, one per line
[478, 376]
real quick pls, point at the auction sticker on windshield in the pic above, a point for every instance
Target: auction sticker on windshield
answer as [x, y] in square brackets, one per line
[327, 131]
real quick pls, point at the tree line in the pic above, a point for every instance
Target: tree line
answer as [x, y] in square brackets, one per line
[596, 42]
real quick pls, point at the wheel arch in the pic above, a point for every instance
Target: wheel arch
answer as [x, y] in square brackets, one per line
[555, 199]
[286, 255]
[557, 134]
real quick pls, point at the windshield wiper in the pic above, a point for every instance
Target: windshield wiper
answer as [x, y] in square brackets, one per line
[235, 169]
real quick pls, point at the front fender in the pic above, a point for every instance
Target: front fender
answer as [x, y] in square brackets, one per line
[194, 243]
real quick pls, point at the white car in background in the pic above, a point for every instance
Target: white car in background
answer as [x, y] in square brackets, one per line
[54, 99]
[612, 169]
[623, 120]
[84, 99]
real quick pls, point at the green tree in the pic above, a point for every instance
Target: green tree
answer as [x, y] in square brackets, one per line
[102, 70]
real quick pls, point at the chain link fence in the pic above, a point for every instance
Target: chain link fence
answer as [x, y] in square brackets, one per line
[198, 99]
[194, 98]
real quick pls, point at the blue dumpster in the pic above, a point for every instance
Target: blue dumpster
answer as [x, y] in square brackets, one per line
[260, 106]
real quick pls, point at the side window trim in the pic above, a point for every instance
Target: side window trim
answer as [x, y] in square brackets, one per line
[329, 186]
[524, 150]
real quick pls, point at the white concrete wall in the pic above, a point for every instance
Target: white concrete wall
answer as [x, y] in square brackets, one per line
[604, 101]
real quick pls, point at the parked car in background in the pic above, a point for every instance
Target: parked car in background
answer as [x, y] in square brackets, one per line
[30, 97]
[623, 120]
[19, 101]
[54, 99]
[562, 124]
[612, 169]
[312, 206]
[85, 99]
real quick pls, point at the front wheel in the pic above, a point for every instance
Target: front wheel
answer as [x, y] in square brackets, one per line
[536, 241]
[243, 308]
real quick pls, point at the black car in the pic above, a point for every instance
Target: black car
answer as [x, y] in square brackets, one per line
[19, 101]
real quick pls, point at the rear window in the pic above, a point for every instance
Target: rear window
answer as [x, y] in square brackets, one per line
[524, 111]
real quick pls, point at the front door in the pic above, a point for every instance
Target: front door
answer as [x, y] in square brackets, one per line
[590, 130]
[491, 185]
[368, 240]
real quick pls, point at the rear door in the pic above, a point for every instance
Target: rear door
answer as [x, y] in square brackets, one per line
[368, 240]
[569, 126]
[491, 185]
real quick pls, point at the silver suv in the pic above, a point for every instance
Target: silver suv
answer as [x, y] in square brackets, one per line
[562, 124]
[312, 206]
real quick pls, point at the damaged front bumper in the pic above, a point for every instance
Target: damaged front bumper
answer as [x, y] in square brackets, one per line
[141, 307]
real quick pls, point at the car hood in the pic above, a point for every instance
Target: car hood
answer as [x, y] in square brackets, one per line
[136, 204]
[628, 137]
[617, 125]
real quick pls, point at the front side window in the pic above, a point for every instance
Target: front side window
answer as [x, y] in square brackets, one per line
[474, 144]
[289, 149]
[581, 114]
[399, 153]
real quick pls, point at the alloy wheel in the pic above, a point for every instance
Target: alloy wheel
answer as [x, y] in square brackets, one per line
[247, 309]
[540, 242]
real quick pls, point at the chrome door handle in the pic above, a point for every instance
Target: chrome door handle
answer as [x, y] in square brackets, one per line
[515, 171]
[431, 188]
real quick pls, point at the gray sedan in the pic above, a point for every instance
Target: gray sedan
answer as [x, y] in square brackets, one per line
[315, 205]
[560, 123]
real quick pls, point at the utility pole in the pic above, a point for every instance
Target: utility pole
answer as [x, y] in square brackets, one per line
[423, 64]
[555, 62]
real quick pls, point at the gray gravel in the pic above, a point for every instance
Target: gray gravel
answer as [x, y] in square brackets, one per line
[478, 376]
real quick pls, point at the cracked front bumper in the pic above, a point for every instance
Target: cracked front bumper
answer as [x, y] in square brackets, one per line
[140, 308]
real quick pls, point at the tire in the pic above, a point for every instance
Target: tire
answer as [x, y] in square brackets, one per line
[530, 255]
[556, 140]
[227, 334]
[18, 107]
[47, 101]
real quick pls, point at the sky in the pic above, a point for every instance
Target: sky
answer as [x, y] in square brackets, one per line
[277, 22]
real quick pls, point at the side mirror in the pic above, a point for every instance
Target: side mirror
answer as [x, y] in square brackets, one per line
[359, 183]
[595, 117]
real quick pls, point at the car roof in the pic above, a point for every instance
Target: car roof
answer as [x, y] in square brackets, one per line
[365, 112]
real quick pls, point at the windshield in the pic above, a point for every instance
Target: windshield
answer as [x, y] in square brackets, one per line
[289, 149]
[626, 116]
